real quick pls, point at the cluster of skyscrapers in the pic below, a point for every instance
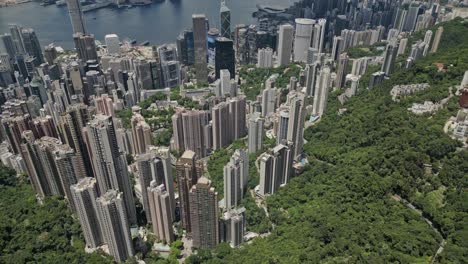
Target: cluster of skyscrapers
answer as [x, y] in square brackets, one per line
[60, 125]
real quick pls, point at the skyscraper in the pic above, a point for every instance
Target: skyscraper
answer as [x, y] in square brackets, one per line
[225, 81]
[255, 132]
[170, 66]
[141, 133]
[199, 39]
[225, 57]
[204, 215]
[156, 166]
[115, 227]
[389, 58]
[225, 14]
[402, 46]
[70, 169]
[312, 70]
[427, 42]
[337, 47]
[17, 37]
[268, 101]
[236, 176]
[7, 45]
[71, 123]
[185, 47]
[321, 92]
[50, 54]
[76, 16]
[411, 18]
[85, 46]
[109, 163]
[266, 174]
[276, 168]
[265, 58]
[221, 125]
[436, 42]
[84, 195]
[212, 35]
[360, 65]
[237, 116]
[188, 171]
[296, 121]
[228, 121]
[342, 70]
[232, 227]
[285, 42]
[161, 215]
[189, 131]
[112, 44]
[31, 45]
[283, 122]
[52, 166]
[318, 36]
[304, 28]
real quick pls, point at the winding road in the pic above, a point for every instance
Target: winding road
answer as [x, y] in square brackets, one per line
[411, 206]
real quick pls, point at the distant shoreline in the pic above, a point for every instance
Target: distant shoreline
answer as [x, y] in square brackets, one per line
[15, 3]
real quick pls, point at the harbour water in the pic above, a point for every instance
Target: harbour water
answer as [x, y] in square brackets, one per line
[157, 23]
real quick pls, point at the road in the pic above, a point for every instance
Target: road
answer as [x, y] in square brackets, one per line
[442, 243]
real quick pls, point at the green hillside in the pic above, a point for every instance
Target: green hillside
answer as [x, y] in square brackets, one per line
[340, 209]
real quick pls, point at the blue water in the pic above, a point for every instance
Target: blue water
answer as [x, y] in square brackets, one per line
[158, 23]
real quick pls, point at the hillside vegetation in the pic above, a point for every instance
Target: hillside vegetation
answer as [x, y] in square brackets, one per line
[340, 209]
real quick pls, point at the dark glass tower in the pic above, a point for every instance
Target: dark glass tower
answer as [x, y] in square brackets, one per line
[225, 58]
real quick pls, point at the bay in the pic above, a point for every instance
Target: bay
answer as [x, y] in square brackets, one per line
[157, 23]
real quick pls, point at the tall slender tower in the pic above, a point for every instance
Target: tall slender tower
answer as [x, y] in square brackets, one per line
[31, 44]
[296, 122]
[225, 20]
[156, 166]
[204, 214]
[114, 224]
[221, 125]
[389, 58]
[283, 122]
[285, 41]
[276, 168]
[84, 195]
[199, 39]
[109, 163]
[76, 16]
[17, 37]
[342, 70]
[188, 171]
[161, 215]
[141, 134]
[321, 92]
[255, 132]
[236, 177]
[71, 123]
[437, 37]
[266, 174]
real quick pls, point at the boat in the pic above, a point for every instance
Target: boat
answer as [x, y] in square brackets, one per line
[145, 43]
[60, 3]
[95, 6]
